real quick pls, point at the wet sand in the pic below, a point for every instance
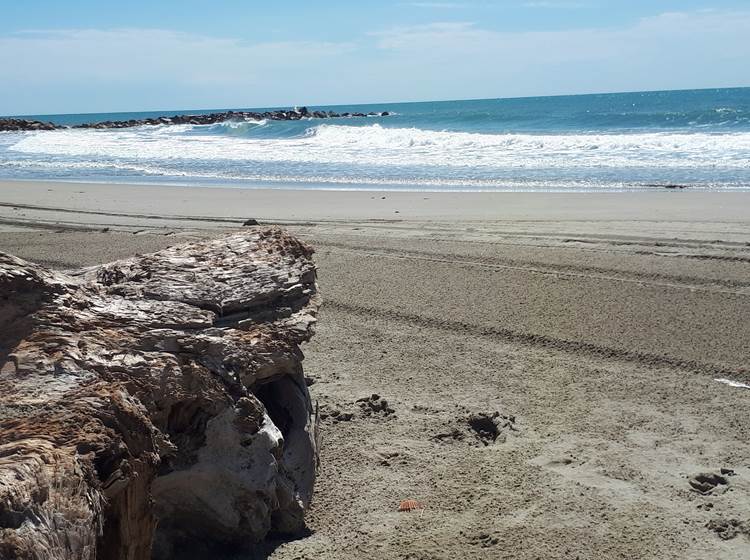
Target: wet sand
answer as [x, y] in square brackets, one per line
[595, 325]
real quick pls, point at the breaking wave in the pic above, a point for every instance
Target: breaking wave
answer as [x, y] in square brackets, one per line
[700, 139]
[378, 145]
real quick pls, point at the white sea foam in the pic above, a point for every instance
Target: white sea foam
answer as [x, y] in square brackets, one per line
[340, 181]
[240, 125]
[380, 146]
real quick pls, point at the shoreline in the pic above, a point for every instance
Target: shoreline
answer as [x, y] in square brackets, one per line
[52, 202]
[405, 186]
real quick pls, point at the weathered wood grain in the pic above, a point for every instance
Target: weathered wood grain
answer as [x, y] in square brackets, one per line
[156, 401]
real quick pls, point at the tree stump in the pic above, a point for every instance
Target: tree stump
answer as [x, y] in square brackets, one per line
[156, 402]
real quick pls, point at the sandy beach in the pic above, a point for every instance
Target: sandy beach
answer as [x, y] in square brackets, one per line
[594, 325]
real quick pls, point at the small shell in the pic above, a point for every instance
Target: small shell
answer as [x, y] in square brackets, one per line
[410, 505]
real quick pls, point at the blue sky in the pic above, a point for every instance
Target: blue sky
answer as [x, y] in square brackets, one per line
[86, 56]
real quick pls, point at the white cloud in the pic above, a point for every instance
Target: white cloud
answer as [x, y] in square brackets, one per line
[551, 4]
[672, 50]
[131, 69]
[133, 53]
[434, 5]
[95, 63]
[462, 34]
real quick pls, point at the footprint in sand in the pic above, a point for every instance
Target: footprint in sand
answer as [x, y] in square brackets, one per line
[708, 483]
[486, 428]
[727, 529]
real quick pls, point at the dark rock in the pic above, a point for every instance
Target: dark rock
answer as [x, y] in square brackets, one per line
[10, 124]
[250, 222]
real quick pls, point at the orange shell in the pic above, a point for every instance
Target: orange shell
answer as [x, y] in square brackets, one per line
[410, 505]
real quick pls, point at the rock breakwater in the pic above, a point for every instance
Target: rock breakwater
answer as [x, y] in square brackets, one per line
[15, 124]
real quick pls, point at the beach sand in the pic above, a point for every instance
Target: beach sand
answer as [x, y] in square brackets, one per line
[595, 325]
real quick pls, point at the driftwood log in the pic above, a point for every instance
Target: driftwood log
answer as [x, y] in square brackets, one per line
[156, 402]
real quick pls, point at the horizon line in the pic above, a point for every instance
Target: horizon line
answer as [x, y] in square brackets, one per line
[321, 106]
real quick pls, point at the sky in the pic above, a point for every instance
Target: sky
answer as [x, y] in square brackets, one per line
[103, 56]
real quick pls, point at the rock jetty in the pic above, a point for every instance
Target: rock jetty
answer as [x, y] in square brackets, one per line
[13, 124]
[9, 125]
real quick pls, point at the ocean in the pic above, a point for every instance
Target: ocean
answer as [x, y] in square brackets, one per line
[699, 139]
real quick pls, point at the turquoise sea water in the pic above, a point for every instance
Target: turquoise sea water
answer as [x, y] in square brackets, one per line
[628, 141]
